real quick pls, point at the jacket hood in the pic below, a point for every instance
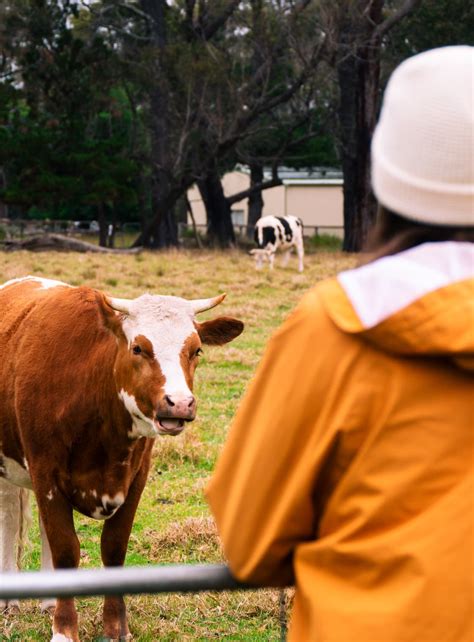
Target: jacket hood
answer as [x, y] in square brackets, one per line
[417, 302]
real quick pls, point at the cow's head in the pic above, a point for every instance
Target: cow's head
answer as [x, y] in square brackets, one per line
[260, 256]
[159, 343]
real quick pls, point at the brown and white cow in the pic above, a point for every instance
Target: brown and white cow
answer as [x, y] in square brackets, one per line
[87, 382]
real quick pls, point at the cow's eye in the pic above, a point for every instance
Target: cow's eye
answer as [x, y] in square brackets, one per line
[198, 352]
[136, 350]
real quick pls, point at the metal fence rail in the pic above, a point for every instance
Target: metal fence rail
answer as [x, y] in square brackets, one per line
[175, 578]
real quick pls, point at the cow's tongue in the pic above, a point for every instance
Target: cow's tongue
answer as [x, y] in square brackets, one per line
[170, 424]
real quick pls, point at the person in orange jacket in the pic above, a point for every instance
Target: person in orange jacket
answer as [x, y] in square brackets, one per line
[348, 469]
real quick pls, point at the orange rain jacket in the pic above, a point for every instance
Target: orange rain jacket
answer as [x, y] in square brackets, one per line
[349, 466]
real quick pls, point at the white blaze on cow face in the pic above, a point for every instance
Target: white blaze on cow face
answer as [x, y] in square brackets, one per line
[167, 323]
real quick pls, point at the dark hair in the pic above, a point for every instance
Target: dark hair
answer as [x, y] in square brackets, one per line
[393, 233]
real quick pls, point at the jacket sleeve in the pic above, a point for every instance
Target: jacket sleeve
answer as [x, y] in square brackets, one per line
[262, 491]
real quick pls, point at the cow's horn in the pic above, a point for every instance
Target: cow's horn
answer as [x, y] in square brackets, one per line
[199, 305]
[121, 305]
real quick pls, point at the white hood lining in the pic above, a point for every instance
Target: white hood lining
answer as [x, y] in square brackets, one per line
[382, 288]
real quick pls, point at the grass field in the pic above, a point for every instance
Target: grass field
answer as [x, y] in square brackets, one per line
[173, 523]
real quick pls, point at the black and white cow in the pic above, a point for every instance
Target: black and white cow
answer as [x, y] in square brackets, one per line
[274, 233]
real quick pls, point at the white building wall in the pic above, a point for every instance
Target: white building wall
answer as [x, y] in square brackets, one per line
[318, 203]
[274, 201]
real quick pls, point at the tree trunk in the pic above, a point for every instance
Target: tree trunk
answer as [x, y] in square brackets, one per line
[112, 229]
[102, 225]
[3, 185]
[358, 71]
[358, 81]
[60, 243]
[219, 221]
[189, 209]
[168, 229]
[144, 206]
[255, 200]
[161, 230]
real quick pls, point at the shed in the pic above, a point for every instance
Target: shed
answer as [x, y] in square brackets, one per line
[314, 195]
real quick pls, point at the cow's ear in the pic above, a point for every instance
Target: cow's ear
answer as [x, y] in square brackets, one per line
[219, 331]
[111, 319]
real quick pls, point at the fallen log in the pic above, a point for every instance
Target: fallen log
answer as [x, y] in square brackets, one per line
[60, 243]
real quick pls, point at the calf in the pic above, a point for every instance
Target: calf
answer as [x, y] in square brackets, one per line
[274, 233]
[87, 382]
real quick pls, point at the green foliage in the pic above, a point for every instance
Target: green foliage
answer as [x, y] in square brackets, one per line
[64, 136]
[325, 242]
[435, 23]
[46, 171]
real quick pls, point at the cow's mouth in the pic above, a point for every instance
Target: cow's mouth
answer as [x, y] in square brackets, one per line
[169, 426]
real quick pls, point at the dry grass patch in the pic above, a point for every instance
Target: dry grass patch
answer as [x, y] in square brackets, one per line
[194, 537]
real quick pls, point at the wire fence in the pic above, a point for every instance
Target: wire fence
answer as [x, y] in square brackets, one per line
[124, 234]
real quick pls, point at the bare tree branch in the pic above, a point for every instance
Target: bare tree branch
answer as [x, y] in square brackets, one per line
[210, 29]
[257, 187]
[301, 5]
[271, 103]
[190, 4]
[384, 27]
[276, 161]
[108, 8]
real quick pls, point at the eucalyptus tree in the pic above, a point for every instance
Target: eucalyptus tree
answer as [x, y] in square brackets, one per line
[225, 82]
[356, 31]
[193, 63]
[275, 59]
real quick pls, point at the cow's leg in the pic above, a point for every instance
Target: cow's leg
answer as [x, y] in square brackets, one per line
[46, 604]
[285, 258]
[300, 250]
[114, 542]
[56, 514]
[10, 515]
[271, 259]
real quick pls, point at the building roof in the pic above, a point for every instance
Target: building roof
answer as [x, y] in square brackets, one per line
[304, 176]
[317, 173]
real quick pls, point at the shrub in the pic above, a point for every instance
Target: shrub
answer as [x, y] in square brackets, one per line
[325, 242]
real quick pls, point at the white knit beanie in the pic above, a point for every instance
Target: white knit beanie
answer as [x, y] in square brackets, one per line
[423, 145]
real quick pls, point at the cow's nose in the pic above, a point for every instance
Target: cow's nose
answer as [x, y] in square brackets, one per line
[181, 403]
